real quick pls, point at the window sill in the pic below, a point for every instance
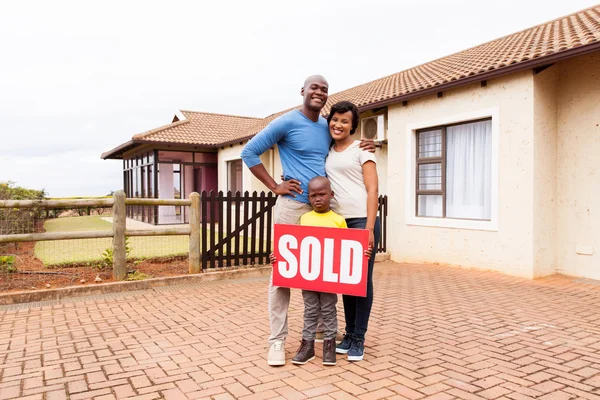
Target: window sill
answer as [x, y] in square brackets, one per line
[454, 223]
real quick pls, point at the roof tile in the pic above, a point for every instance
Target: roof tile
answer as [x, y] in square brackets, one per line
[578, 29]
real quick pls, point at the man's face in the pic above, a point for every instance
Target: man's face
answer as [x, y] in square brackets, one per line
[315, 92]
[319, 195]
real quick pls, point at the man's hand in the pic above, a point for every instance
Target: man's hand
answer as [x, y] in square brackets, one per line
[272, 258]
[288, 187]
[368, 145]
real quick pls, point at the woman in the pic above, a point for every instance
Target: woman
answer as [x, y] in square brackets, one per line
[353, 176]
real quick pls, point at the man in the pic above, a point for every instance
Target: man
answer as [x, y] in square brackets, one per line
[303, 139]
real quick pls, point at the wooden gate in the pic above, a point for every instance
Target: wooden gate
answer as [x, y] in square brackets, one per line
[236, 229]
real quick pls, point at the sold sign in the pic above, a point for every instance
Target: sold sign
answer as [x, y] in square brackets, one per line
[321, 259]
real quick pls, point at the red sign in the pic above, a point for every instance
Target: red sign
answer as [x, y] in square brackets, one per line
[321, 259]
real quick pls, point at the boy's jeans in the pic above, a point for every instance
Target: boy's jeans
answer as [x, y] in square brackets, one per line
[319, 304]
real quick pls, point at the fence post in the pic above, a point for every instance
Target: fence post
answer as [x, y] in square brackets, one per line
[194, 258]
[119, 250]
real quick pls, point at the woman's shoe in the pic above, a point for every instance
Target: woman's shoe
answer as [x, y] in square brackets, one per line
[345, 344]
[357, 350]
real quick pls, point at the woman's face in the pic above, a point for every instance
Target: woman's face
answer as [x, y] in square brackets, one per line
[340, 125]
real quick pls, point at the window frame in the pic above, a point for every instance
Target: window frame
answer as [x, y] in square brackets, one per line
[410, 174]
[228, 165]
[438, 160]
[431, 160]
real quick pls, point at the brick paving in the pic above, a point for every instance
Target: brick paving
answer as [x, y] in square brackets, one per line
[436, 333]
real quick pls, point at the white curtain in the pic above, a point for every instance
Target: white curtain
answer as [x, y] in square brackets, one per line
[469, 171]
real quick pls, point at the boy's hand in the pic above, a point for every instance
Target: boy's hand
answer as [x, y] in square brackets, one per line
[273, 259]
[368, 145]
[368, 252]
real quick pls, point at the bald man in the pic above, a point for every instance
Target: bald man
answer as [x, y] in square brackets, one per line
[303, 139]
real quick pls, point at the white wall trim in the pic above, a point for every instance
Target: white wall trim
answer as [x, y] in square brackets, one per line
[411, 137]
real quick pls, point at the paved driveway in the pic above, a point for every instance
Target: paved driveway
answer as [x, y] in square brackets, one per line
[436, 332]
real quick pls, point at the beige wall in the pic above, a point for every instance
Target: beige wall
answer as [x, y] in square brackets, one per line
[249, 182]
[578, 161]
[508, 247]
[544, 184]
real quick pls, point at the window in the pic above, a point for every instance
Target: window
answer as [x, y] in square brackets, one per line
[454, 171]
[234, 176]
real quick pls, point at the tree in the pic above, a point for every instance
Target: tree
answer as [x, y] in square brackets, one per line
[15, 220]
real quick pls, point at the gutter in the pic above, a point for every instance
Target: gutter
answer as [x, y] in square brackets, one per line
[133, 143]
[516, 67]
[529, 64]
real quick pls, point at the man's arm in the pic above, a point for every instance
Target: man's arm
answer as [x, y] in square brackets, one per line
[259, 144]
[285, 187]
[367, 145]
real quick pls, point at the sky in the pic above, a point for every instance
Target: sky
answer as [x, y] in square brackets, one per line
[78, 78]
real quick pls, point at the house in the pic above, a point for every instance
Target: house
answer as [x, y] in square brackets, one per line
[492, 152]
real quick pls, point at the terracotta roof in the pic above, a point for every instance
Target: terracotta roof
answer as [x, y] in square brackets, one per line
[199, 128]
[519, 50]
[561, 38]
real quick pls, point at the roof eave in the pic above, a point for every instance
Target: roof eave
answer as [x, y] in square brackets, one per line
[117, 152]
[529, 64]
[236, 141]
[112, 154]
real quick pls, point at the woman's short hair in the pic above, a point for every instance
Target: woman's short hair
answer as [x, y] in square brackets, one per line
[341, 108]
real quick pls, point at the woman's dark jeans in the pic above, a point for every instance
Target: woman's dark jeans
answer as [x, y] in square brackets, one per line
[358, 309]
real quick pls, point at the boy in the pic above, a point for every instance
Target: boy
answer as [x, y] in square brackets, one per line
[315, 303]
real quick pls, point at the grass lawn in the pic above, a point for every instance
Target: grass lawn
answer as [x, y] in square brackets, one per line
[90, 250]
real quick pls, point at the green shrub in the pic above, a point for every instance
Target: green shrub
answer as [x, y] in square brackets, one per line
[107, 255]
[136, 276]
[7, 264]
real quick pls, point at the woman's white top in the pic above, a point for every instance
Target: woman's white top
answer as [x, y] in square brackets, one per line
[344, 170]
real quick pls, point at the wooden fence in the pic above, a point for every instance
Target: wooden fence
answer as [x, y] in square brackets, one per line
[224, 229]
[244, 223]
[119, 231]
[244, 232]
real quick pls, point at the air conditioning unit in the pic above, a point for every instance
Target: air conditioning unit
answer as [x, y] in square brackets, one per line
[373, 128]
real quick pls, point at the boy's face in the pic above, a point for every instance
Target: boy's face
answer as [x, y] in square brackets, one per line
[319, 195]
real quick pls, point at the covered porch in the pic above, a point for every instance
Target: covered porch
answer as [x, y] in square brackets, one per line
[167, 174]
[177, 159]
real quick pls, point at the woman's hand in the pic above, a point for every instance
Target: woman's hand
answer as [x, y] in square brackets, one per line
[273, 259]
[369, 251]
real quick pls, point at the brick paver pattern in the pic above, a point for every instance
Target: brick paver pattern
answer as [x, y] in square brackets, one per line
[436, 332]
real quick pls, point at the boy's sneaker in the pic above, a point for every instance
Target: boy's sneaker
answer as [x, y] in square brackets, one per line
[357, 350]
[305, 353]
[345, 344]
[329, 357]
[276, 355]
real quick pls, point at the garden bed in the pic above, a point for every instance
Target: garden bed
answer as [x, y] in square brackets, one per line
[33, 275]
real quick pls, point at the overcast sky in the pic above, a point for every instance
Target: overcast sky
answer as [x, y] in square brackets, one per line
[79, 78]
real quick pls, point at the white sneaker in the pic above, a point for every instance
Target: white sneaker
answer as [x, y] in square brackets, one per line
[319, 337]
[276, 354]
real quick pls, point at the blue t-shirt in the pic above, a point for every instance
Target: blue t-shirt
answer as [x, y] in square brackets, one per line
[303, 146]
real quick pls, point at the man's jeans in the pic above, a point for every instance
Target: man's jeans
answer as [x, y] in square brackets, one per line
[287, 211]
